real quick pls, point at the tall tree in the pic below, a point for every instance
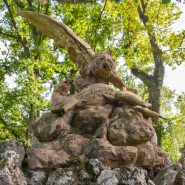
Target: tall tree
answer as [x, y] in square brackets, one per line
[33, 59]
[149, 44]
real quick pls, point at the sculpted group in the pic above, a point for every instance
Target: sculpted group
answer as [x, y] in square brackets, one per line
[98, 121]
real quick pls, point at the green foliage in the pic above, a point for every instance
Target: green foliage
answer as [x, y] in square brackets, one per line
[34, 61]
[38, 66]
[166, 1]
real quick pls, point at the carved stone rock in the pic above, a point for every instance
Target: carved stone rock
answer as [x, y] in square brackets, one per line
[131, 175]
[130, 129]
[150, 155]
[55, 154]
[88, 120]
[51, 126]
[180, 178]
[167, 175]
[11, 158]
[113, 156]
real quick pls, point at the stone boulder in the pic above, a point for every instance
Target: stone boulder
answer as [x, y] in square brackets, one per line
[38, 177]
[88, 120]
[51, 126]
[13, 152]
[130, 129]
[113, 156]
[167, 175]
[150, 155]
[131, 175]
[11, 159]
[55, 154]
[84, 171]
[107, 177]
[180, 178]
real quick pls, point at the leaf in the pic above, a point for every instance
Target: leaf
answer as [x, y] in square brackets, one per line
[166, 1]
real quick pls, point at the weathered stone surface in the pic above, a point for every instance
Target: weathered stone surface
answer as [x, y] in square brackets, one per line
[48, 158]
[88, 120]
[113, 156]
[74, 144]
[60, 101]
[51, 126]
[130, 98]
[84, 171]
[11, 158]
[150, 182]
[11, 176]
[61, 178]
[107, 177]
[131, 175]
[94, 95]
[35, 177]
[180, 178]
[150, 155]
[55, 154]
[13, 152]
[131, 129]
[167, 175]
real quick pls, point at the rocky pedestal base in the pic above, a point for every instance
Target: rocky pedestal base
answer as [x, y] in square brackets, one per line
[79, 170]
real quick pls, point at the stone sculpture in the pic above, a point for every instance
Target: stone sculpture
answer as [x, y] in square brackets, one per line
[98, 121]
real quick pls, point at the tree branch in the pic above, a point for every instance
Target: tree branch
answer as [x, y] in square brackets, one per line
[157, 52]
[9, 35]
[20, 4]
[147, 79]
[99, 23]
[15, 27]
[29, 2]
[47, 7]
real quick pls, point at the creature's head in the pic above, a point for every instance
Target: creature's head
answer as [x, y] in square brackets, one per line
[63, 87]
[102, 64]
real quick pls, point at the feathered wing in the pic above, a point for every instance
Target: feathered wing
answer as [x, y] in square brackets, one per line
[79, 51]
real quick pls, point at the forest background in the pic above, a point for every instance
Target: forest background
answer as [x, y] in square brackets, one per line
[144, 44]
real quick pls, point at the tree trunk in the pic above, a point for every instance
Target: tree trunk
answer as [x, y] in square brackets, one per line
[154, 99]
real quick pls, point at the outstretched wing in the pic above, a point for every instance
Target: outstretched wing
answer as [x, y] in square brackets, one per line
[79, 51]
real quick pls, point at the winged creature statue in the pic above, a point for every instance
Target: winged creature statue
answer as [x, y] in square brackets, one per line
[94, 67]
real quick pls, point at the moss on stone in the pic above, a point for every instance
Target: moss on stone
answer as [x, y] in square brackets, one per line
[3, 163]
[62, 171]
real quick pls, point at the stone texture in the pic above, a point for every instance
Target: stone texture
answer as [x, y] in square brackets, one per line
[130, 98]
[180, 178]
[60, 101]
[167, 175]
[150, 182]
[131, 176]
[11, 176]
[95, 95]
[11, 158]
[55, 154]
[84, 171]
[107, 177]
[35, 177]
[88, 120]
[61, 178]
[150, 155]
[113, 156]
[13, 152]
[51, 126]
[130, 129]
